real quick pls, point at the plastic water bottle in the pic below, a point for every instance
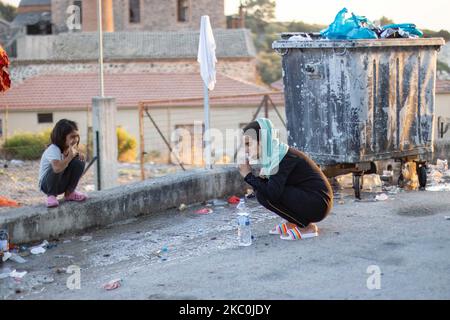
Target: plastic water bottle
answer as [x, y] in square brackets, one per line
[4, 242]
[163, 254]
[244, 228]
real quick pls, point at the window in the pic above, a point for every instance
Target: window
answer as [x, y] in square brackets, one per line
[45, 117]
[135, 11]
[183, 10]
[78, 3]
[40, 28]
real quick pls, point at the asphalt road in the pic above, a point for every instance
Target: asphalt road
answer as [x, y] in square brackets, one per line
[394, 249]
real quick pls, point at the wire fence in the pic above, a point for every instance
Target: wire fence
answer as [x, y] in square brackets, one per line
[22, 152]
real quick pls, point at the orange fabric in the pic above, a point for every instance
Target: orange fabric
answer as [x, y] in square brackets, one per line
[5, 81]
[5, 202]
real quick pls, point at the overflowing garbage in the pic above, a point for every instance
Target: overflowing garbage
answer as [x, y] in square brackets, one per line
[351, 27]
[371, 182]
[439, 176]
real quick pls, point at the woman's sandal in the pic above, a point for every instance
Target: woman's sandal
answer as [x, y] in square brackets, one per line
[279, 229]
[295, 234]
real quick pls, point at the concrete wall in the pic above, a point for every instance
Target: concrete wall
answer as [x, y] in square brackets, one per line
[37, 223]
[127, 45]
[239, 68]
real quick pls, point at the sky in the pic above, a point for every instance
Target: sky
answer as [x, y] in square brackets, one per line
[430, 14]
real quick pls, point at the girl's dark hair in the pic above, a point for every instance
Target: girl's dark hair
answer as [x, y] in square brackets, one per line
[59, 133]
[255, 127]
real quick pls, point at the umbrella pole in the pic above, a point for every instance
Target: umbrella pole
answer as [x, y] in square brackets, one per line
[207, 136]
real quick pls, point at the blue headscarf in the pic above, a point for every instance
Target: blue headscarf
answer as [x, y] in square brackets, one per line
[272, 150]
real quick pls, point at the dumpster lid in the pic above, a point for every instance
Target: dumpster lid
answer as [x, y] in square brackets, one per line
[318, 42]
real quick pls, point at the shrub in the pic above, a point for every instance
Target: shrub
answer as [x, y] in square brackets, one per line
[26, 145]
[127, 145]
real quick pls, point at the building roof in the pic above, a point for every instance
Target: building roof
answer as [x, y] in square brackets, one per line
[75, 91]
[442, 86]
[30, 18]
[231, 43]
[24, 3]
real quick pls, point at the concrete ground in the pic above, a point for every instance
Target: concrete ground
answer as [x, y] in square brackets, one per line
[407, 237]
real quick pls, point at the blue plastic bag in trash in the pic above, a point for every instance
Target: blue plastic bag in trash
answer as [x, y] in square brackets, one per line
[408, 27]
[354, 27]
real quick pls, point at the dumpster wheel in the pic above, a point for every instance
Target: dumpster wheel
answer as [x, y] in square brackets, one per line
[357, 184]
[422, 173]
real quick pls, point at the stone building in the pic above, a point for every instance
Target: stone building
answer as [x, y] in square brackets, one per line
[140, 36]
[51, 16]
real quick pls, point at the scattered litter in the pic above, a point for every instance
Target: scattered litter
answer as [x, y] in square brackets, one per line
[13, 257]
[442, 165]
[443, 187]
[17, 275]
[300, 37]
[182, 207]
[59, 256]
[51, 245]
[250, 194]
[163, 253]
[6, 256]
[381, 197]
[204, 211]
[6, 202]
[38, 250]
[113, 284]
[61, 270]
[15, 162]
[4, 273]
[45, 279]
[447, 217]
[67, 241]
[341, 202]
[4, 241]
[233, 200]
[370, 182]
[391, 189]
[89, 187]
[85, 238]
[218, 202]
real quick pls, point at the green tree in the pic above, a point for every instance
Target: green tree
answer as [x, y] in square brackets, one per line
[7, 12]
[385, 21]
[259, 13]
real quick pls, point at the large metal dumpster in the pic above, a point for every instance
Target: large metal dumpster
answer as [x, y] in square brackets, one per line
[358, 101]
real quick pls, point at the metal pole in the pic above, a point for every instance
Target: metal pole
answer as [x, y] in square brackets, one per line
[276, 110]
[207, 133]
[141, 140]
[164, 139]
[100, 46]
[99, 181]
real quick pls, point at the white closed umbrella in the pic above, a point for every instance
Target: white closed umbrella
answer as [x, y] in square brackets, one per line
[207, 59]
